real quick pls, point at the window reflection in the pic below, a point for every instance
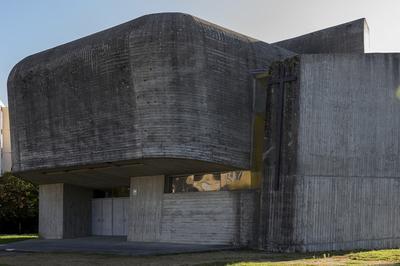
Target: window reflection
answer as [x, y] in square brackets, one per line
[233, 180]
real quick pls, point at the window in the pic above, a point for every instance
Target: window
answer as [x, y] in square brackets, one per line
[233, 180]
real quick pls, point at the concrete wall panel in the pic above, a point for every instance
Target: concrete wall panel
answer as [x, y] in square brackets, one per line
[339, 169]
[64, 211]
[351, 37]
[51, 215]
[145, 208]
[349, 122]
[342, 213]
[224, 217]
[347, 184]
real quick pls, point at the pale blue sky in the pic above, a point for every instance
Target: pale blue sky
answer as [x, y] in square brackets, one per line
[30, 26]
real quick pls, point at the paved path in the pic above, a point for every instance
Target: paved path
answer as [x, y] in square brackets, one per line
[106, 245]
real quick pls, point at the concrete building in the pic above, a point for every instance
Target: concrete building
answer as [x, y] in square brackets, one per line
[5, 141]
[170, 128]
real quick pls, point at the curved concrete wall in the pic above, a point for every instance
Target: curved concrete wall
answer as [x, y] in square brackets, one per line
[161, 86]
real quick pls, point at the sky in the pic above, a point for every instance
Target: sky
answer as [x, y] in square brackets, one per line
[31, 26]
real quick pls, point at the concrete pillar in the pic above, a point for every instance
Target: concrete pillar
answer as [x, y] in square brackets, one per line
[144, 223]
[51, 211]
[64, 211]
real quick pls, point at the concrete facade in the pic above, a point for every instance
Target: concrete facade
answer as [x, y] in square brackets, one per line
[170, 95]
[224, 217]
[135, 91]
[5, 141]
[64, 211]
[338, 183]
[348, 151]
[145, 208]
[185, 217]
[350, 37]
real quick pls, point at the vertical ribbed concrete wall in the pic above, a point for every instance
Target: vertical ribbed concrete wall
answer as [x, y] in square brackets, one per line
[51, 211]
[337, 186]
[348, 168]
[64, 211]
[144, 223]
[345, 213]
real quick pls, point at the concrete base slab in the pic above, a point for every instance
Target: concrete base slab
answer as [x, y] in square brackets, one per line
[107, 245]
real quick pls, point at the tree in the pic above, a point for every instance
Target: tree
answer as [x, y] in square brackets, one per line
[18, 200]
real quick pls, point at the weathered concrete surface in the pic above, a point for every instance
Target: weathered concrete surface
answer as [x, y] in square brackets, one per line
[224, 217]
[146, 199]
[351, 37]
[349, 152]
[166, 85]
[343, 190]
[346, 213]
[64, 211]
[51, 211]
[217, 218]
[117, 174]
[349, 122]
[277, 209]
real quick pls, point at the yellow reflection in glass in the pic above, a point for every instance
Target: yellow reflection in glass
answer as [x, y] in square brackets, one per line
[220, 181]
[398, 93]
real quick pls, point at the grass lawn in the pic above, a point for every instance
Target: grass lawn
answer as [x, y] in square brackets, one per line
[231, 258]
[4, 239]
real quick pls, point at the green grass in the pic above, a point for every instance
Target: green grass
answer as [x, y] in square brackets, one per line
[4, 239]
[386, 257]
[392, 255]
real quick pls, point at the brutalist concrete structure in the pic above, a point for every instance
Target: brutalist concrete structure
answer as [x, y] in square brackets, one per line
[312, 121]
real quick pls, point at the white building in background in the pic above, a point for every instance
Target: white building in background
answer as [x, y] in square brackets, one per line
[5, 141]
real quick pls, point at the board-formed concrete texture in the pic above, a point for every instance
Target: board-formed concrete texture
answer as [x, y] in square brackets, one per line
[171, 94]
[218, 218]
[64, 211]
[351, 37]
[341, 189]
[165, 85]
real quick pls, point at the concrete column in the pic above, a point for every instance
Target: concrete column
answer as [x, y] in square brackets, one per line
[64, 211]
[144, 223]
[51, 211]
